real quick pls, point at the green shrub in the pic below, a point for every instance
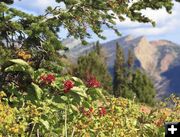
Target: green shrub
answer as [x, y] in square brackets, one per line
[43, 103]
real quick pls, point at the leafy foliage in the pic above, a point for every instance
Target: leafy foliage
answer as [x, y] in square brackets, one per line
[121, 117]
[42, 99]
[126, 118]
[5, 54]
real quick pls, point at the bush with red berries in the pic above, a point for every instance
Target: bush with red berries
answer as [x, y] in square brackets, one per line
[48, 98]
[45, 103]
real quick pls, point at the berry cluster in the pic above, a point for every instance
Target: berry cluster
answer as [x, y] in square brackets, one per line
[92, 82]
[47, 79]
[68, 85]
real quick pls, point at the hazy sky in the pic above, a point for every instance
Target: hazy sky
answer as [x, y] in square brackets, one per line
[168, 25]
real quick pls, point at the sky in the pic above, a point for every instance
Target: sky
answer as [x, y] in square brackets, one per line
[167, 25]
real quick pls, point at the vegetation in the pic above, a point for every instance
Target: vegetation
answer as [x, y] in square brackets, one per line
[77, 17]
[119, 73]
[41, 101]
[143, 88]
[117, 117]
[94, 64]
[38, 99]
[130, 82]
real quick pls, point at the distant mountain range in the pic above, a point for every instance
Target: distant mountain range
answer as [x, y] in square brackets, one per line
[160, 59]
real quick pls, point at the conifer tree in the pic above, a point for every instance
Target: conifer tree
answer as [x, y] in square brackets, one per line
[77, 17]
[130, 82]
[98, 48]
[143, 87]
[118, 82]
[94, 64]
[39, 33]
[130, 60]
[129, 66]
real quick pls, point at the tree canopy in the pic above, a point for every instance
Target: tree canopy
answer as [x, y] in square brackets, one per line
[77, 16]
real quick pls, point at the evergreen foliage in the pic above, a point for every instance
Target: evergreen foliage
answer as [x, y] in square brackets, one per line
[38, 34]
[94, 64]
[131, 58]
[5, 54]
[98, 48]
[77, 17]
[119, 71]
[143, 87]
[130, 82]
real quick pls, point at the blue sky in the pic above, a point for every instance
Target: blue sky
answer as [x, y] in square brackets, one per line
[168, 25]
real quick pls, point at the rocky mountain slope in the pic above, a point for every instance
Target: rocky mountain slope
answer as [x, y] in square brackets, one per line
[160, 59]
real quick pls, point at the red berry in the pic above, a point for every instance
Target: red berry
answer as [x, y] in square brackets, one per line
[91, 109]
[47, 79]
[102, 111]
[68, 85]
[88, 112]
[92, 82]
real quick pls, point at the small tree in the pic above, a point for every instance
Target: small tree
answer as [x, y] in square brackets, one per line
[130, 60]
[143, 87]
[118, 82]
[98, 48]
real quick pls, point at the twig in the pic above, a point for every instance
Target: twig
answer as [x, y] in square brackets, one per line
[32, 129]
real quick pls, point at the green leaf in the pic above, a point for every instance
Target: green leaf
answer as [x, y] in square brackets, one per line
[20, 62]
[64, 98]
[37, 90]
[79, 91]
[20, 65]
[45, 123]
[100, 94]
[14, 68]
[86, 104]
[77, 81]
[73, 107]
[96, 93]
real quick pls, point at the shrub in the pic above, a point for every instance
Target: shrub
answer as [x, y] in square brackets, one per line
[55, 105]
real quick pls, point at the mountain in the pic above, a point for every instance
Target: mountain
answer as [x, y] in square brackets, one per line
[160, 59]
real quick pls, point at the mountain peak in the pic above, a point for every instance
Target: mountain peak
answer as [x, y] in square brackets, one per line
[162, 64]
[142, 40]
[127, 38]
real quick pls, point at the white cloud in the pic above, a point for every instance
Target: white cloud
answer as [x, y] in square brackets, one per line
[170, 26]
[166, 23]
[128, 24]
[35, 6]
[159, 16]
